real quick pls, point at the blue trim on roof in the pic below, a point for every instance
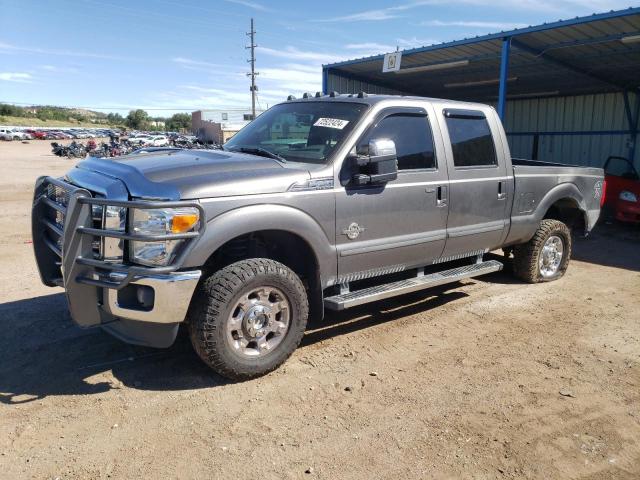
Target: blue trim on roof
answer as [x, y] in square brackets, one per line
[499, 36]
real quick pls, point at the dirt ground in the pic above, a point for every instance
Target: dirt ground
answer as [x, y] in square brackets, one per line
[489, 378]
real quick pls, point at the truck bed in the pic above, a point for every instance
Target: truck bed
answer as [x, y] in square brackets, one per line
[536, 182]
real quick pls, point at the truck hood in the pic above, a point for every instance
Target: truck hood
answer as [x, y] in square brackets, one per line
[192, 174]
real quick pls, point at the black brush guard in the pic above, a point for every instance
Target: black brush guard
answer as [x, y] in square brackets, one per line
[65, 256]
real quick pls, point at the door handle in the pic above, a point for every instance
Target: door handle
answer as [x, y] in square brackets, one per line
[441, 196]
[502, 190]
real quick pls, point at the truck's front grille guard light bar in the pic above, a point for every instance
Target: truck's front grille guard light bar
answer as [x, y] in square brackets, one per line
[130, 271]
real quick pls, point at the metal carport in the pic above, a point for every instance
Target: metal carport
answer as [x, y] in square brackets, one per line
[567, 91]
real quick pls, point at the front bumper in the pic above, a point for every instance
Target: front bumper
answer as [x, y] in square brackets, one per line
[169, 297]
[141, 305]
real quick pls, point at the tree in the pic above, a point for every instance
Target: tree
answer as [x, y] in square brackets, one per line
[115, 119]
[179, 122]
[138, 119]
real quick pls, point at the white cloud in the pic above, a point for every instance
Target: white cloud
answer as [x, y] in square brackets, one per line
[378, 47]
[189, 62]
[366, 16]
[247, 3]
[60, 69]
[290, 79]
[473, 24]
[293, 53]
[13, 49]
[414, 42]
[18, 77]
[567, 6]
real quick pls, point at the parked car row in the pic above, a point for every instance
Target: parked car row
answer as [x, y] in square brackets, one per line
[9, 134]
[18, 133]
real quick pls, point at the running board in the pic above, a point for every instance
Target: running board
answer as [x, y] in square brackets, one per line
[380, 292]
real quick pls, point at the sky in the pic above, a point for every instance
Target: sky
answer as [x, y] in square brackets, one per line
[170, 56]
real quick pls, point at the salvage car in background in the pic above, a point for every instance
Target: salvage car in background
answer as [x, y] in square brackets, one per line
[622, 197]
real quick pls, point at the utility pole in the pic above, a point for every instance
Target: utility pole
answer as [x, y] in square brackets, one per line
[254, 87]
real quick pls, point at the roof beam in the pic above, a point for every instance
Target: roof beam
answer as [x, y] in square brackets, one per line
[563, 64]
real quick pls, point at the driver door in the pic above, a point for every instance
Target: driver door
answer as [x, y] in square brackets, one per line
[390, 227]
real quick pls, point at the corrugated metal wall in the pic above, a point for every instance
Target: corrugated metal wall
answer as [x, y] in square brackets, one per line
[347, 85]
[600, 112]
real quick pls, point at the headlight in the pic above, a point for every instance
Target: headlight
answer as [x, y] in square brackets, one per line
[160, 221]
[628, 196]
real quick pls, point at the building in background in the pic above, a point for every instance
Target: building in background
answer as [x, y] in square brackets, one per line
[218, 126]
[567, 91]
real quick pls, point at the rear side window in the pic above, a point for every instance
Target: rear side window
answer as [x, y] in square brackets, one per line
[412, 136]
[471, 140]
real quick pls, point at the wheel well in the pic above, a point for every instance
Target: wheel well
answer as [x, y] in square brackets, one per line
[568, 212]
[280, 245]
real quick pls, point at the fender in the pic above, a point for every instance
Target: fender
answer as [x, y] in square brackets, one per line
[524, 226]
[253, 218]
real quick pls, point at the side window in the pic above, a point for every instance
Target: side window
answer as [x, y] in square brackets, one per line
[471, 141]
[620, 167]
[412, 136]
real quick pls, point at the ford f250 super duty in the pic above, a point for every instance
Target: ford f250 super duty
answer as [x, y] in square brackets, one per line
[321, 203]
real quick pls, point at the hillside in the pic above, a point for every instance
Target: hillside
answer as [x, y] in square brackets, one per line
[36, 122]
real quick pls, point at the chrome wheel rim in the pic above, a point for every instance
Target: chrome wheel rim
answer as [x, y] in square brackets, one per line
[551, 256]
[259, 321]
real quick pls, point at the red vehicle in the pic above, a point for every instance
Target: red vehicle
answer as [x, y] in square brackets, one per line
[622, 193]
[38, 134]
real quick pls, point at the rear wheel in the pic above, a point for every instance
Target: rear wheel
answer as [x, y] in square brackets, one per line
[248, 318]
[546, 256]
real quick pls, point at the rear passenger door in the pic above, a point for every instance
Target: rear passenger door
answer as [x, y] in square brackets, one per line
[478, 181]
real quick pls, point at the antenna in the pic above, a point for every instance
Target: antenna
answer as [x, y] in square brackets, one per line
[253, 88]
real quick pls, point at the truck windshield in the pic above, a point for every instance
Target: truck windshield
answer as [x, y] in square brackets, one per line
[298, 132]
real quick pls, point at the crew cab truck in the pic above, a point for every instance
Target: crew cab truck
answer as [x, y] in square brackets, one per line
[321, 203]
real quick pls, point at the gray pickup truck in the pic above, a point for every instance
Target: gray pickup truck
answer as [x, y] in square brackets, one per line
[321, 203]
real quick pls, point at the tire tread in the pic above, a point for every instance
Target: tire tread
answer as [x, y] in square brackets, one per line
[525, 262]
[212, 299]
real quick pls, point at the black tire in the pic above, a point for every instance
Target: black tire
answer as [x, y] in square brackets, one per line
[526, 262]
[211, 309]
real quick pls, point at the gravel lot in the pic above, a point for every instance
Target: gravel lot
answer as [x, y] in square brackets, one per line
[489, 378]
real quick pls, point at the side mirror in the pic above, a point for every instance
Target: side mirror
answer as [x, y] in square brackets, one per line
[379, 166]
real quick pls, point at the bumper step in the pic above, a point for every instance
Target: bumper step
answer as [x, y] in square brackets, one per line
[380, 292]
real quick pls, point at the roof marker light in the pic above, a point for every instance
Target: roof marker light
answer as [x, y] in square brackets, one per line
[290, 97]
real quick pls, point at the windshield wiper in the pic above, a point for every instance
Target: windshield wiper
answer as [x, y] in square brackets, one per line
[263, 152]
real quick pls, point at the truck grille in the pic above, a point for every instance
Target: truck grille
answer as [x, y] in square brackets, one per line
[59, 196]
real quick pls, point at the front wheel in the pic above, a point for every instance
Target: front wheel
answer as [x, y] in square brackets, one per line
[546, 256]
[248, 318]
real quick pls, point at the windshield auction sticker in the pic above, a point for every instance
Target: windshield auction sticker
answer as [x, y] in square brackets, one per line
[331, 123]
